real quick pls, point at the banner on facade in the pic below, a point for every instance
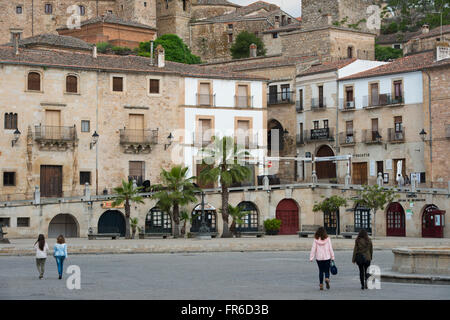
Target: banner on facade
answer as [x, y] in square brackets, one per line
[109, 205]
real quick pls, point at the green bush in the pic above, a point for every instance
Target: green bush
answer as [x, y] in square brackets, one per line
[102, 47]
[241, 48]
[272, 224]
[387, 53]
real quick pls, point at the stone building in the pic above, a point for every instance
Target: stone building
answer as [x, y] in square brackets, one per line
[426, 39]
[56, 92]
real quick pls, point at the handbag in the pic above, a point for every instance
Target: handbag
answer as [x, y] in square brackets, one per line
[333, 268]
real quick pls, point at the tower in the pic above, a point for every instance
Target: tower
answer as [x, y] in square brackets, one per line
[142, 11]
[173, 16]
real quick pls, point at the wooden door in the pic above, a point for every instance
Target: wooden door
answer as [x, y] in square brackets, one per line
[287, 212]
[359, 173]
[51, 181]
[395, 220]
[136, 126]
[325, 169]
[374, 94]
[433, 222]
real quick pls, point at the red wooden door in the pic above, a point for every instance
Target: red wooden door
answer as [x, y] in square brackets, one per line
[287, 212]
[395, 220]
[433, 222]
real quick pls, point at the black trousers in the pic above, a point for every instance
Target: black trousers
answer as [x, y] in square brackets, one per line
[363, 275]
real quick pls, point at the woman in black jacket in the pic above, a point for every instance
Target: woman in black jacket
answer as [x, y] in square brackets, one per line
[362, 256]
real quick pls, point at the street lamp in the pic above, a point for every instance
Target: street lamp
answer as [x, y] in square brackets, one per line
[423, 134]
[16, 137]
[94, 139]
[204, 232]
[169, 139]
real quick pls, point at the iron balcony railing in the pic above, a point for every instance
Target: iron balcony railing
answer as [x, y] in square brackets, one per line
[200, 141]
[247, 142]
[396, 135]
[280, 97]
[347, 138]
[299, 106]
[206, 100]
[319, 134]
[346, 105]
[138, 136]
[371, 136]
[318, 103]
[381, 100]
[54, 133]
[243, 101]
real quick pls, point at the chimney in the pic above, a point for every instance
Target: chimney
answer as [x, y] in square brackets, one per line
[15, 37]
[327, 17]
[94, 52]
[425, 29]
[253, 50]
[442, 51]
[160, 56]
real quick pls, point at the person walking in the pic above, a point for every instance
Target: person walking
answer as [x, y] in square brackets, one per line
[322, 250]
[41, 254]
[60, 253]
[362, 256]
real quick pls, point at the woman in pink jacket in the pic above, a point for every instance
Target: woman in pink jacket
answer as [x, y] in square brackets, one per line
[323, 252]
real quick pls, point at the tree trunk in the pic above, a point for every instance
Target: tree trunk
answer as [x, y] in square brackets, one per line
[226, 232]
[176, 221]
[127, 220]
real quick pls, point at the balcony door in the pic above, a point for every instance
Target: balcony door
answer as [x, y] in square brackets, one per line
[205, 94]
[136, 126]
[374, 94]
[359, 173]
[375, 132]
[273, 94]
[136, 171]
[243, 133]
[242, 96]
[205, 132]
[52, 124]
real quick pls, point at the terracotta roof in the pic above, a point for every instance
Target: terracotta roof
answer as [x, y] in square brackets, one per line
[399, 37]
[267, 63]
[406, 64]
[112, 63]
[216, 3]
[326, 67]
[56, 41]
[113, 19]
[287, 28]
[433, 32]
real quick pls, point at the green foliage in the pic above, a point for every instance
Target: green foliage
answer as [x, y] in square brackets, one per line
[375, 197]
[241, 47]
[387, 53]
[331, 204]
[175, 49]
[102, 47]
[272, 224]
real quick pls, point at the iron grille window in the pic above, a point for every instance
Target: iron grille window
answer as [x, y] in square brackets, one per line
[10, 120]
[85, 177]
[85, 126]
[118, 84]
[4, 222]
[48, 8]
[19, 9]
[34, 81]
[72, 84]
[23, 222]
[9, 179]
[154, 85]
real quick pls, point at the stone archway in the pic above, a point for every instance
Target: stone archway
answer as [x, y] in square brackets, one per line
[210, 218]
[112, 221]
[65, 224]
[251, 219]
[275, 129]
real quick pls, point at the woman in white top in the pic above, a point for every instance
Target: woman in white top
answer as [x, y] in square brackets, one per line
[41, 254]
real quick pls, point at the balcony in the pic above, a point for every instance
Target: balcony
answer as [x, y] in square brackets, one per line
[318, 104]
[396, 136]
[371, 137]
[347, 105]
[247, 143]
[201, 142]
[382, 100]
[206, 100]
[285, 97]
[243, 101]
[300, 140]
[322, 134]
[347, 138]
[55, 137]
[298, 106]
[138, 140]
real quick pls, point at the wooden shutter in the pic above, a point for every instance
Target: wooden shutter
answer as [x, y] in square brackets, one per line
[154, 85]
[204, 94]
[72, 84]
[205, 131]
[374, 94]
[34, 81]
[136, 126]
[118, 84]
[51, 181]
[360, 173]
[137, 171]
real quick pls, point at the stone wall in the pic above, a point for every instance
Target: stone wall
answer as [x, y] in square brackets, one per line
[172, 18]
[200, 12]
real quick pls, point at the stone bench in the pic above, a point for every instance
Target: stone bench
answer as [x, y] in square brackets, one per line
[113, 236]
[213, 234]
[163, 235]
[258, 234]
[349, 232]
[308, 229]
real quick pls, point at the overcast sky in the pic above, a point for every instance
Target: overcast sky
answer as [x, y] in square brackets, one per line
[293, 7]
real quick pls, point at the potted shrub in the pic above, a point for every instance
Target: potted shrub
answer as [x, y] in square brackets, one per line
[272, 226]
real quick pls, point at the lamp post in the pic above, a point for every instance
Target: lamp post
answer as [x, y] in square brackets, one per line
[204, 232]
[16, 137]
[95, 137]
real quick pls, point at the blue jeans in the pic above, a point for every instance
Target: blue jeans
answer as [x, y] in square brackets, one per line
[324, 267]
[59, 263]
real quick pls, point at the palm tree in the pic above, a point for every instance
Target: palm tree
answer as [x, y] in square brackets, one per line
[237, 215]
[127, 193]
[223, 161]
[175, 191]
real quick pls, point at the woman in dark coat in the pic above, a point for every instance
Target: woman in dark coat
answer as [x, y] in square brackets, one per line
[362, 256]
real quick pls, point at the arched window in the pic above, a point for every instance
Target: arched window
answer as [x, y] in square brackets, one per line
[157, 221]
[210, 218]
[10, 120]
[72, 84]
[250, 220]
[34, 81]
[362, 219]
[82, 10]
